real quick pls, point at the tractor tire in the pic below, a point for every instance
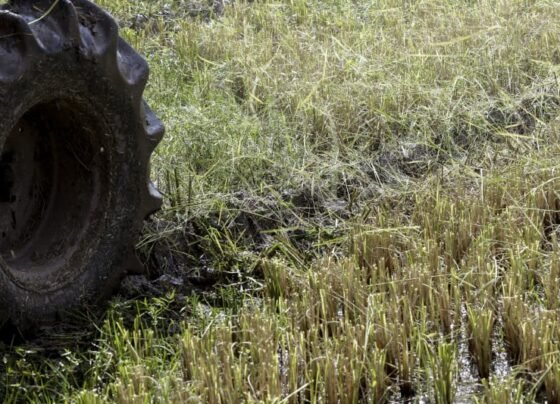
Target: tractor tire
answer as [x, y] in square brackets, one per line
[75, 143]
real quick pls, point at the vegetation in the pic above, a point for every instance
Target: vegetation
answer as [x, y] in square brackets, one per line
[362, 204]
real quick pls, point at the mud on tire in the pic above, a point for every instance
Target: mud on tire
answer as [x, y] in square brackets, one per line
[75, 142]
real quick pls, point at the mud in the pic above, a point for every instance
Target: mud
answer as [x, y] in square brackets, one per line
[202, 9]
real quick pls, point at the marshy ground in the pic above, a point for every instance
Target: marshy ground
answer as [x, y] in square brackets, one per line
[362, 205]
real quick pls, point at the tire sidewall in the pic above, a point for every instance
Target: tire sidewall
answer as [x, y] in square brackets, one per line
[95, 272]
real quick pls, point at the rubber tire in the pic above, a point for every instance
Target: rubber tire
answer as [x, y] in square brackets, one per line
[76, 139]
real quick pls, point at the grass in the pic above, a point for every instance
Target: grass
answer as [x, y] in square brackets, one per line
[354, 192]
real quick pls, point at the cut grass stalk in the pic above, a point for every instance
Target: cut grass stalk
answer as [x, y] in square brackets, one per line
[481, 326]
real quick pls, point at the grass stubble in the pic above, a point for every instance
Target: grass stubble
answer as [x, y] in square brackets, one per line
[370, 184]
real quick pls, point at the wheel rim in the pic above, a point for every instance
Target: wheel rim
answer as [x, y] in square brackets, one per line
[51, 185]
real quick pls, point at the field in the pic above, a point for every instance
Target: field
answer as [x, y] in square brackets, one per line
[362, 204]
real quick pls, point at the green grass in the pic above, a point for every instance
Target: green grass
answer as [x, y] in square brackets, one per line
[371, 189]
